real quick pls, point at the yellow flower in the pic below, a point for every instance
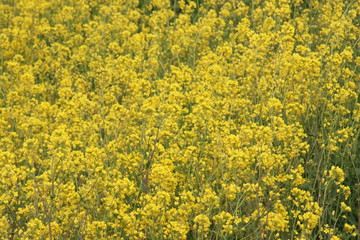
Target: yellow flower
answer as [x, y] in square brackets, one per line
[344, 207]
[202, 223]
[336, 174]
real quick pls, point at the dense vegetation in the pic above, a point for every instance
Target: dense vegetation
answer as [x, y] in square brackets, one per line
[207, 119]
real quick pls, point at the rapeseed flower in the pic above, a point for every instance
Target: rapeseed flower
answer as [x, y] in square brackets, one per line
[178, 119]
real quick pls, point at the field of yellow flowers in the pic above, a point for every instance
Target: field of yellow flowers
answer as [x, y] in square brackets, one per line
[179, 119]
